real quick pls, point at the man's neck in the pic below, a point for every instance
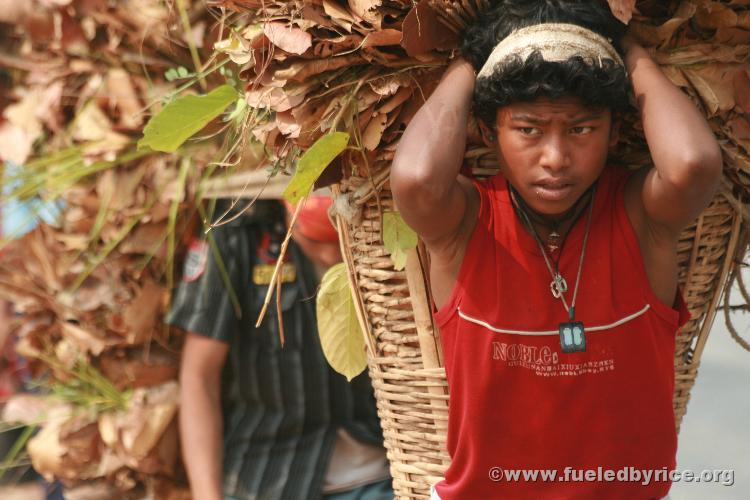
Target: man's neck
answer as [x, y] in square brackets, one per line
[545, 225]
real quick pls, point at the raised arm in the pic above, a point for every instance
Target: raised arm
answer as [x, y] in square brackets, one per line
[685, 153]
[201, 426]
[429, 192]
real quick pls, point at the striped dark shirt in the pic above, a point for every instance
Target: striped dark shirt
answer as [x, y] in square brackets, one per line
[281, 405]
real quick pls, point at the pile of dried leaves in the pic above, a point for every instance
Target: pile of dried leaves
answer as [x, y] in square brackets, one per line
[81, 78]
[365, 67]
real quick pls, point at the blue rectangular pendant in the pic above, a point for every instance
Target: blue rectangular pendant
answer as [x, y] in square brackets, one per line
[572, 337]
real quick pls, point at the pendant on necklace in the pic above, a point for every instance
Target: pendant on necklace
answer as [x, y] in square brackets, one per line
[553, 241]
[572, 334]
[558, 286]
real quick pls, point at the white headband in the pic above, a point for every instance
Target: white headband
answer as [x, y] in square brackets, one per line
[555, 42]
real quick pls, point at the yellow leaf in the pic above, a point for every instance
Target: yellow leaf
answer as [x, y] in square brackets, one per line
[313, 163]
[340, 334]
[398, 238]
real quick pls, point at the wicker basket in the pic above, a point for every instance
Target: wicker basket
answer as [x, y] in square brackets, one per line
[405, 360]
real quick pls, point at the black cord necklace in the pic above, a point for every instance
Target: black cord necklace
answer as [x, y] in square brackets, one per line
[554, 239]
[572, 333]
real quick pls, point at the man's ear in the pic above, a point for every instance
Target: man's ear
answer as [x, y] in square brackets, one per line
[614, 132]
[488, 135]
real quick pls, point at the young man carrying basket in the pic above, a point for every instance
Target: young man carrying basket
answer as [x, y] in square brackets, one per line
[555, 281]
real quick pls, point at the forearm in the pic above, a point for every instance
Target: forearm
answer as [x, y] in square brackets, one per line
[679, 138]
[201, 431]
[430, 152]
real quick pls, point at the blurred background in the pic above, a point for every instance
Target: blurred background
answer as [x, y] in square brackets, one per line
[715, 433]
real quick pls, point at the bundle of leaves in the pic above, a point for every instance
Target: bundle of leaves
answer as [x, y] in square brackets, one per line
[365, 66]
[81, 79]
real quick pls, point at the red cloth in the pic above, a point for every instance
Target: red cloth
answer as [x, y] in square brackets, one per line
[517, 401]
[313, 221]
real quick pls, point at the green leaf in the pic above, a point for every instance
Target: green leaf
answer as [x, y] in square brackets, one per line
[398, 257]
[340, 334]
[171, 74]
[398, 238]
[313, 163]
[239, 111]
[183, 117]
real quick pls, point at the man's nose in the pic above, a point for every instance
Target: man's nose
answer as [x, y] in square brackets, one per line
[555, 153]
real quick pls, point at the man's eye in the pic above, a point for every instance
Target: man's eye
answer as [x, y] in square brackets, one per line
[528, 130]
[581, 130]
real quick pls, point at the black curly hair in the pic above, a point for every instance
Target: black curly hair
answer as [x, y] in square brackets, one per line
[516, 80]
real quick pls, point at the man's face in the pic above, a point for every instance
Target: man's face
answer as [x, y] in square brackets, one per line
[323, 254]
[552, 151]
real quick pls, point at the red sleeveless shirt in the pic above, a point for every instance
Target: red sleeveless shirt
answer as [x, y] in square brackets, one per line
[517, 401]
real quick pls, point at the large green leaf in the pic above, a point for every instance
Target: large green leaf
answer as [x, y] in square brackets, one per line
[398, 238]
[312, 164]
[183, 117]
[340, 334]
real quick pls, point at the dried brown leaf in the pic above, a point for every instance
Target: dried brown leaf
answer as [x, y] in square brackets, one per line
[15, 143]
[65, 447]
[383, 37]
[714, 83]
[31, 409]
[289, 39]
[622, 9]
[742, 89]
[24, 125]
[403, 94]
[126, 182]
[85, 341]
[80, 436]
[46, 452]
[332, 46]
[287, 125]
[714, 15]
[141, 314]
[274, 98]
[123, 98]
[651, 35]
[389, 85]
[368, 11]
[374, 131]
[339, 15]
[93, 127]
[302, 70]
[14, 12]
[740, 128]
[423, 32]
[149, 415]
[144, 239]
[134, 369]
